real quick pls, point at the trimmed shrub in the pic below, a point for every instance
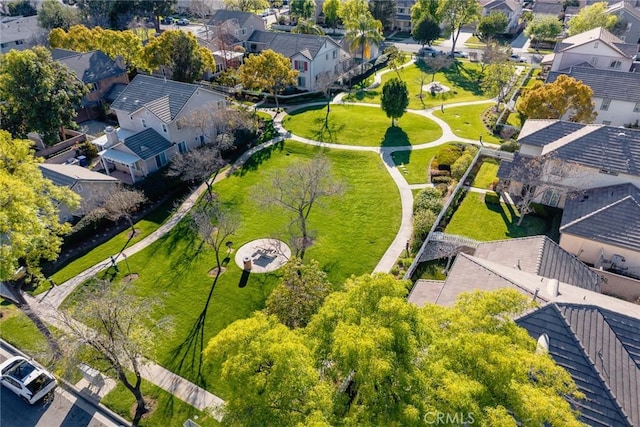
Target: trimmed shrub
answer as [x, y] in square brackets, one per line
[491, 198]
[448, 155]
[441, 179]
[429, 199]
[422, 223]
[461, 165]
[438, 172]
[509, 146]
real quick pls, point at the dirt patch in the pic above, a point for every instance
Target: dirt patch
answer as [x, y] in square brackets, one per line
[130, 277]
[151, 405]
[214, 271]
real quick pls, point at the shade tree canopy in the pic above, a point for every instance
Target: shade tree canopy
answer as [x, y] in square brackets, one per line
[267, 71]
[426, 30]
[591, 17]
[455, 14]
[395, 99]
[493, 24]
[543, 27]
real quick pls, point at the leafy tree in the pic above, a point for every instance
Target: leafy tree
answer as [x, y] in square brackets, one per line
[363, 32]
[428, 199]
[497, 80]
[300, 294]
[29, 206]
[54, 14]
[455, 14]
[246, 5]
[492, 24]
[543, 27]
[566, 95]
[156, 8]
[396, 58]
[121, 328]
[330, 9]
[395, 98]
[425, 31]
[492, 53]
[307, 26]
[424, 8]
[268, 71]
[437, 63]
[179, 51]
[304, 9]
[351, 10]
[298, 189]
[384, 11]
[110, 14]
[325, 84]
[21, 8]
[38, 93]
[422, 222]
[591, 17]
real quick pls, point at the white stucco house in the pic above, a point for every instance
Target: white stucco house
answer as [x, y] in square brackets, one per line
[512, 9]
[158, 118]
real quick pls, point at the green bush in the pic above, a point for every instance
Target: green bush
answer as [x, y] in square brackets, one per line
[509, 146]
[461, 165]
[441, 180]
[439, 172]
[429, 199]
[491, 198]
[89, 150]
[448, 155]
[422, 223]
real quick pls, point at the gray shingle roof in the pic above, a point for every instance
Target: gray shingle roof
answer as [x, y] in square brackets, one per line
[626, 49]
[221, 16]
[289, 44]
[90, 67]
[144, 90]
[616, 222]
[553, 131]
[147, 143]
[599, 349]
[542, 256]
[67, 175]
[618, 85]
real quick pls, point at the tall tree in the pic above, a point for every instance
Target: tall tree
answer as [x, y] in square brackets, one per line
[566, 95]
[396, 58]
[330, 9]
[268, 71]
[156, 8]
[307, 26]
[384, 11]
[350, 10]
[179, 51]
[492, 53]
[543, 27]
[591, 17]
[425, 31]
[362, 33]
[121, 328]
[298, 189]
[455, 14]
[246, 5]
[301, 292]
[498, 79]
[424, 8]
[54, 14]
[38, 93]
[491, 25]
[437, 63]
[395, 99]
[200, 165]
[302, 9]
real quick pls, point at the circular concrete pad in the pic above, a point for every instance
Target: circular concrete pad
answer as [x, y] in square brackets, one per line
[437, 87]
[263, 255]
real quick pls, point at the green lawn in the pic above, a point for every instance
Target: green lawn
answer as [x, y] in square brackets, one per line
[466, 122]
[146, 226]
[169, 410]
[17, 329]
[414, 164]
[351, 237]
[483, 222]
[463, 78]
[486, 174]
[474, 42]
[366, 126]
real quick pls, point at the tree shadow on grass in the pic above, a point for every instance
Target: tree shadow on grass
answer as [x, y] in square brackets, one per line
[362, 96]
[327, 130]
[254, 162]
[401, 159]
[464, 78]
[395, 137]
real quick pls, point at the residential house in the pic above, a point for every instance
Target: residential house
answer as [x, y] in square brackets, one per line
[89, 185]
[20, 33]
[313, 56]
[628, 27]
[616, 94]
[512, 9]
[548, 7]
[98, 72]
[601, 226]
[158, 118]
[597, 47]
[402, 21]
[233, 27]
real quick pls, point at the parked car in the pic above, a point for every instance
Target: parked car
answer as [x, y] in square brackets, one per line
[167, 20]
[459, 54]
[182, 21]
[517, 58]
[26, 379]
[428, 51]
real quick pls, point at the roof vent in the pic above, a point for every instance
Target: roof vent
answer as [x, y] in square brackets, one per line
[621, 134]
[553, 287]
[543, 344]
[143, 148]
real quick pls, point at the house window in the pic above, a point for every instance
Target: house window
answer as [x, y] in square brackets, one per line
[93, 87]
[605, 104]
[615, 64]
[326, 57]
[636, 109]
[300, 65]
[161, 160]
[144, 123]
[594, 60]
[302, 82]
[596, 44]
[18, 42]
[335, 54]
[182, 147]
[164, 128]
[131, 117]
[550, 198]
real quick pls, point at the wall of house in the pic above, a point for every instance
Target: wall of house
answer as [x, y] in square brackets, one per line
[326, 61]
[632, 32]
[104, 86]
[619, 286]
[191, 134]
[619, 112]
[589, 251]
[596, 53]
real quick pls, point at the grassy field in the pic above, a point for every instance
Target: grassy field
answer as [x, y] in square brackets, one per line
[486, 174]
[17, 329]
[176, 267]
[466, 122]
[463, 78]
[366, 126]
[478, 220]
[415, 163]
[146, 226]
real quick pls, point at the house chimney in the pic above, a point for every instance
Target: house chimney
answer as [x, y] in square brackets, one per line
[112, 136]
[553, 288]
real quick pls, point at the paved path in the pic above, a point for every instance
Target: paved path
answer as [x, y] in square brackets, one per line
[46, 305]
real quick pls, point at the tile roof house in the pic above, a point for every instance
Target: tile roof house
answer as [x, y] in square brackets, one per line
[602, 227]
[89, 185]
[616, 94]
[547, 7]
[313, 56]
[628, 27]
[239, 25]
[157, 118]
[98, 72]
[597, 47]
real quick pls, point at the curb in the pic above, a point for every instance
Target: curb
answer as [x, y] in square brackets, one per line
[73, 390]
